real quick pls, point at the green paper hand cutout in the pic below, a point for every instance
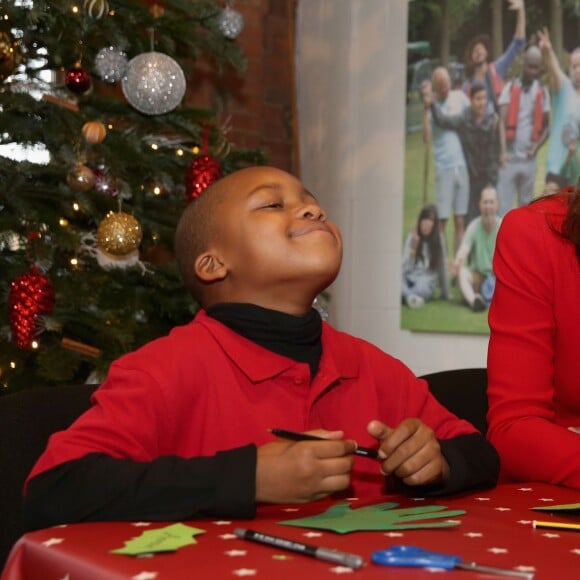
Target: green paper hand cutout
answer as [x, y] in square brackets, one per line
[167, 539]
[342, 519]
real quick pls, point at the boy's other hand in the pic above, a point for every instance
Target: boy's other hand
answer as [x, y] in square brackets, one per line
[303, 471]
[410, 451]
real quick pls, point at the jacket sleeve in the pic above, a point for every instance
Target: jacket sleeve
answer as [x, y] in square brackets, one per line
[530, 267]
[98, 487]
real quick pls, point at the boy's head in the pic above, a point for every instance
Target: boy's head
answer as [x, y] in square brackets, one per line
[478, 98]
[532, 68]
[257, 236]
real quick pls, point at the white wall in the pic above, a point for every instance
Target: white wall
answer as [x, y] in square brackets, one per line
[351, 62]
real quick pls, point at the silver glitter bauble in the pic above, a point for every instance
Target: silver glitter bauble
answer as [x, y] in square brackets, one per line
[230, 22]
[153, 83]
[111, 64]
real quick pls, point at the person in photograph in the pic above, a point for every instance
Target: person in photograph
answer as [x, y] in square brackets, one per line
[533, 364]
[473, 261]
[424, 261]
[563, 155]
[479, 69]
[478, 128]
[451, 176]
[525, 115]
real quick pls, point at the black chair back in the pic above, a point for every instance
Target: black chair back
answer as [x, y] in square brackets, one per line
[463, 392]
[27, 419]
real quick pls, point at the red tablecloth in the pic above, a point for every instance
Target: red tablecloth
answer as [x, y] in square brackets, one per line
[496, 531]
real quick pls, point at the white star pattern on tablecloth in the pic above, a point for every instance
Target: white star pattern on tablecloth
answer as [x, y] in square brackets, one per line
[550, 535]
[244, 572]
[482, 498]
[575, 551]
[312, 534]
[222, 523]
[525, 568]
[434, 570]
[393, 534]
[141, 524]
[234, 553]
[227, 536]
[145, 576]
[498, 550]
[290, 509]
[503, 509]
[525, 489]
[546, 499]
[473, 534]
[342, 570]
[52, 541]
[524, 522]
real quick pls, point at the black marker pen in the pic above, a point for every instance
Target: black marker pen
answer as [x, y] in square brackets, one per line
[327, 554]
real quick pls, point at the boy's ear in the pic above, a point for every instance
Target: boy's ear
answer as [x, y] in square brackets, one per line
[209, 267]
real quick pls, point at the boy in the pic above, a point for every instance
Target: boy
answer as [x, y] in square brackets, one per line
[179, 429]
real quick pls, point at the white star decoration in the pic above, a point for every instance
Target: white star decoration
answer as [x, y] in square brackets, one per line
[498, 550]
[435, 570]
[227, 536]
[393, 534]
[291, 509]
[244, 572]
[52, 542]
[525, 489]
[145, 575]
[503, 509]
[525, 522]
[525, 568]
[312, 534]
[545, 499]
[141, 524]
[550, 535]
[482, 498]
[236, 553]
[222, 523]
[576, 551]
[342, 570]
[473, 534]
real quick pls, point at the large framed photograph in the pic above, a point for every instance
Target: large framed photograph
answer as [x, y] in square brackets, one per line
[492, 122]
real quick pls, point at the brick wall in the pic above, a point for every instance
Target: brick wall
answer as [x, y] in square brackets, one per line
[259, 101]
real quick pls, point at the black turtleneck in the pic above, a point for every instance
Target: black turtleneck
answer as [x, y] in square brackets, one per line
[295, 337]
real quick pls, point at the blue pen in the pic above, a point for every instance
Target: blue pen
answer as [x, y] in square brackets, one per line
[419, 558]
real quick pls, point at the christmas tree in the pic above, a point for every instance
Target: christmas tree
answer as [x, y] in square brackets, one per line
[99, 154]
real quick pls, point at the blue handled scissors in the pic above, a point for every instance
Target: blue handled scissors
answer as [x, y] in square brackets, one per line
[418, 557]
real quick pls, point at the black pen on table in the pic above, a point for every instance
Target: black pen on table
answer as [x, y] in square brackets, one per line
[294, 436]
[319, 552]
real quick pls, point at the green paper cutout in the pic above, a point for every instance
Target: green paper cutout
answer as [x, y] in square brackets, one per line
[167, 539]
[342, 519]
[565, 507]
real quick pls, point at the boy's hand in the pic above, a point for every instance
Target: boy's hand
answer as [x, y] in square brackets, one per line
[303, 471]
[410, 451]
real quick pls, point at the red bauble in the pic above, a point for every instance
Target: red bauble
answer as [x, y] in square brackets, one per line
[31, 295]
[78, 80]
[200, 173]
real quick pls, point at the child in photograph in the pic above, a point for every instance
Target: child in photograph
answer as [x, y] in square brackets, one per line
[180, 428]
[424, 261]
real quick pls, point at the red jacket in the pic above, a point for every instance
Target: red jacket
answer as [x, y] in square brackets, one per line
[204, 389]
[534, 349]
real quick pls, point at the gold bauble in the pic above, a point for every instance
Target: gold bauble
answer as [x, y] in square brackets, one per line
[94, 132]
[119, 233]
[81, 178]
[9, 54]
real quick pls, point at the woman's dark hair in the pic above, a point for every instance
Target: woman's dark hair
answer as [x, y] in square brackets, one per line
[479, 39]
[433, 240]
[570, 229]
[571, 225]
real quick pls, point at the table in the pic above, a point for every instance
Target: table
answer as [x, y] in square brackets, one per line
[496, 531]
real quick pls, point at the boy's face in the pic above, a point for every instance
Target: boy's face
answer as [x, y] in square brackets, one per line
[479, 103]
[274, 239]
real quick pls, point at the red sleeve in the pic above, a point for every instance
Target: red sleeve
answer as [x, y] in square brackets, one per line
[530, 267]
